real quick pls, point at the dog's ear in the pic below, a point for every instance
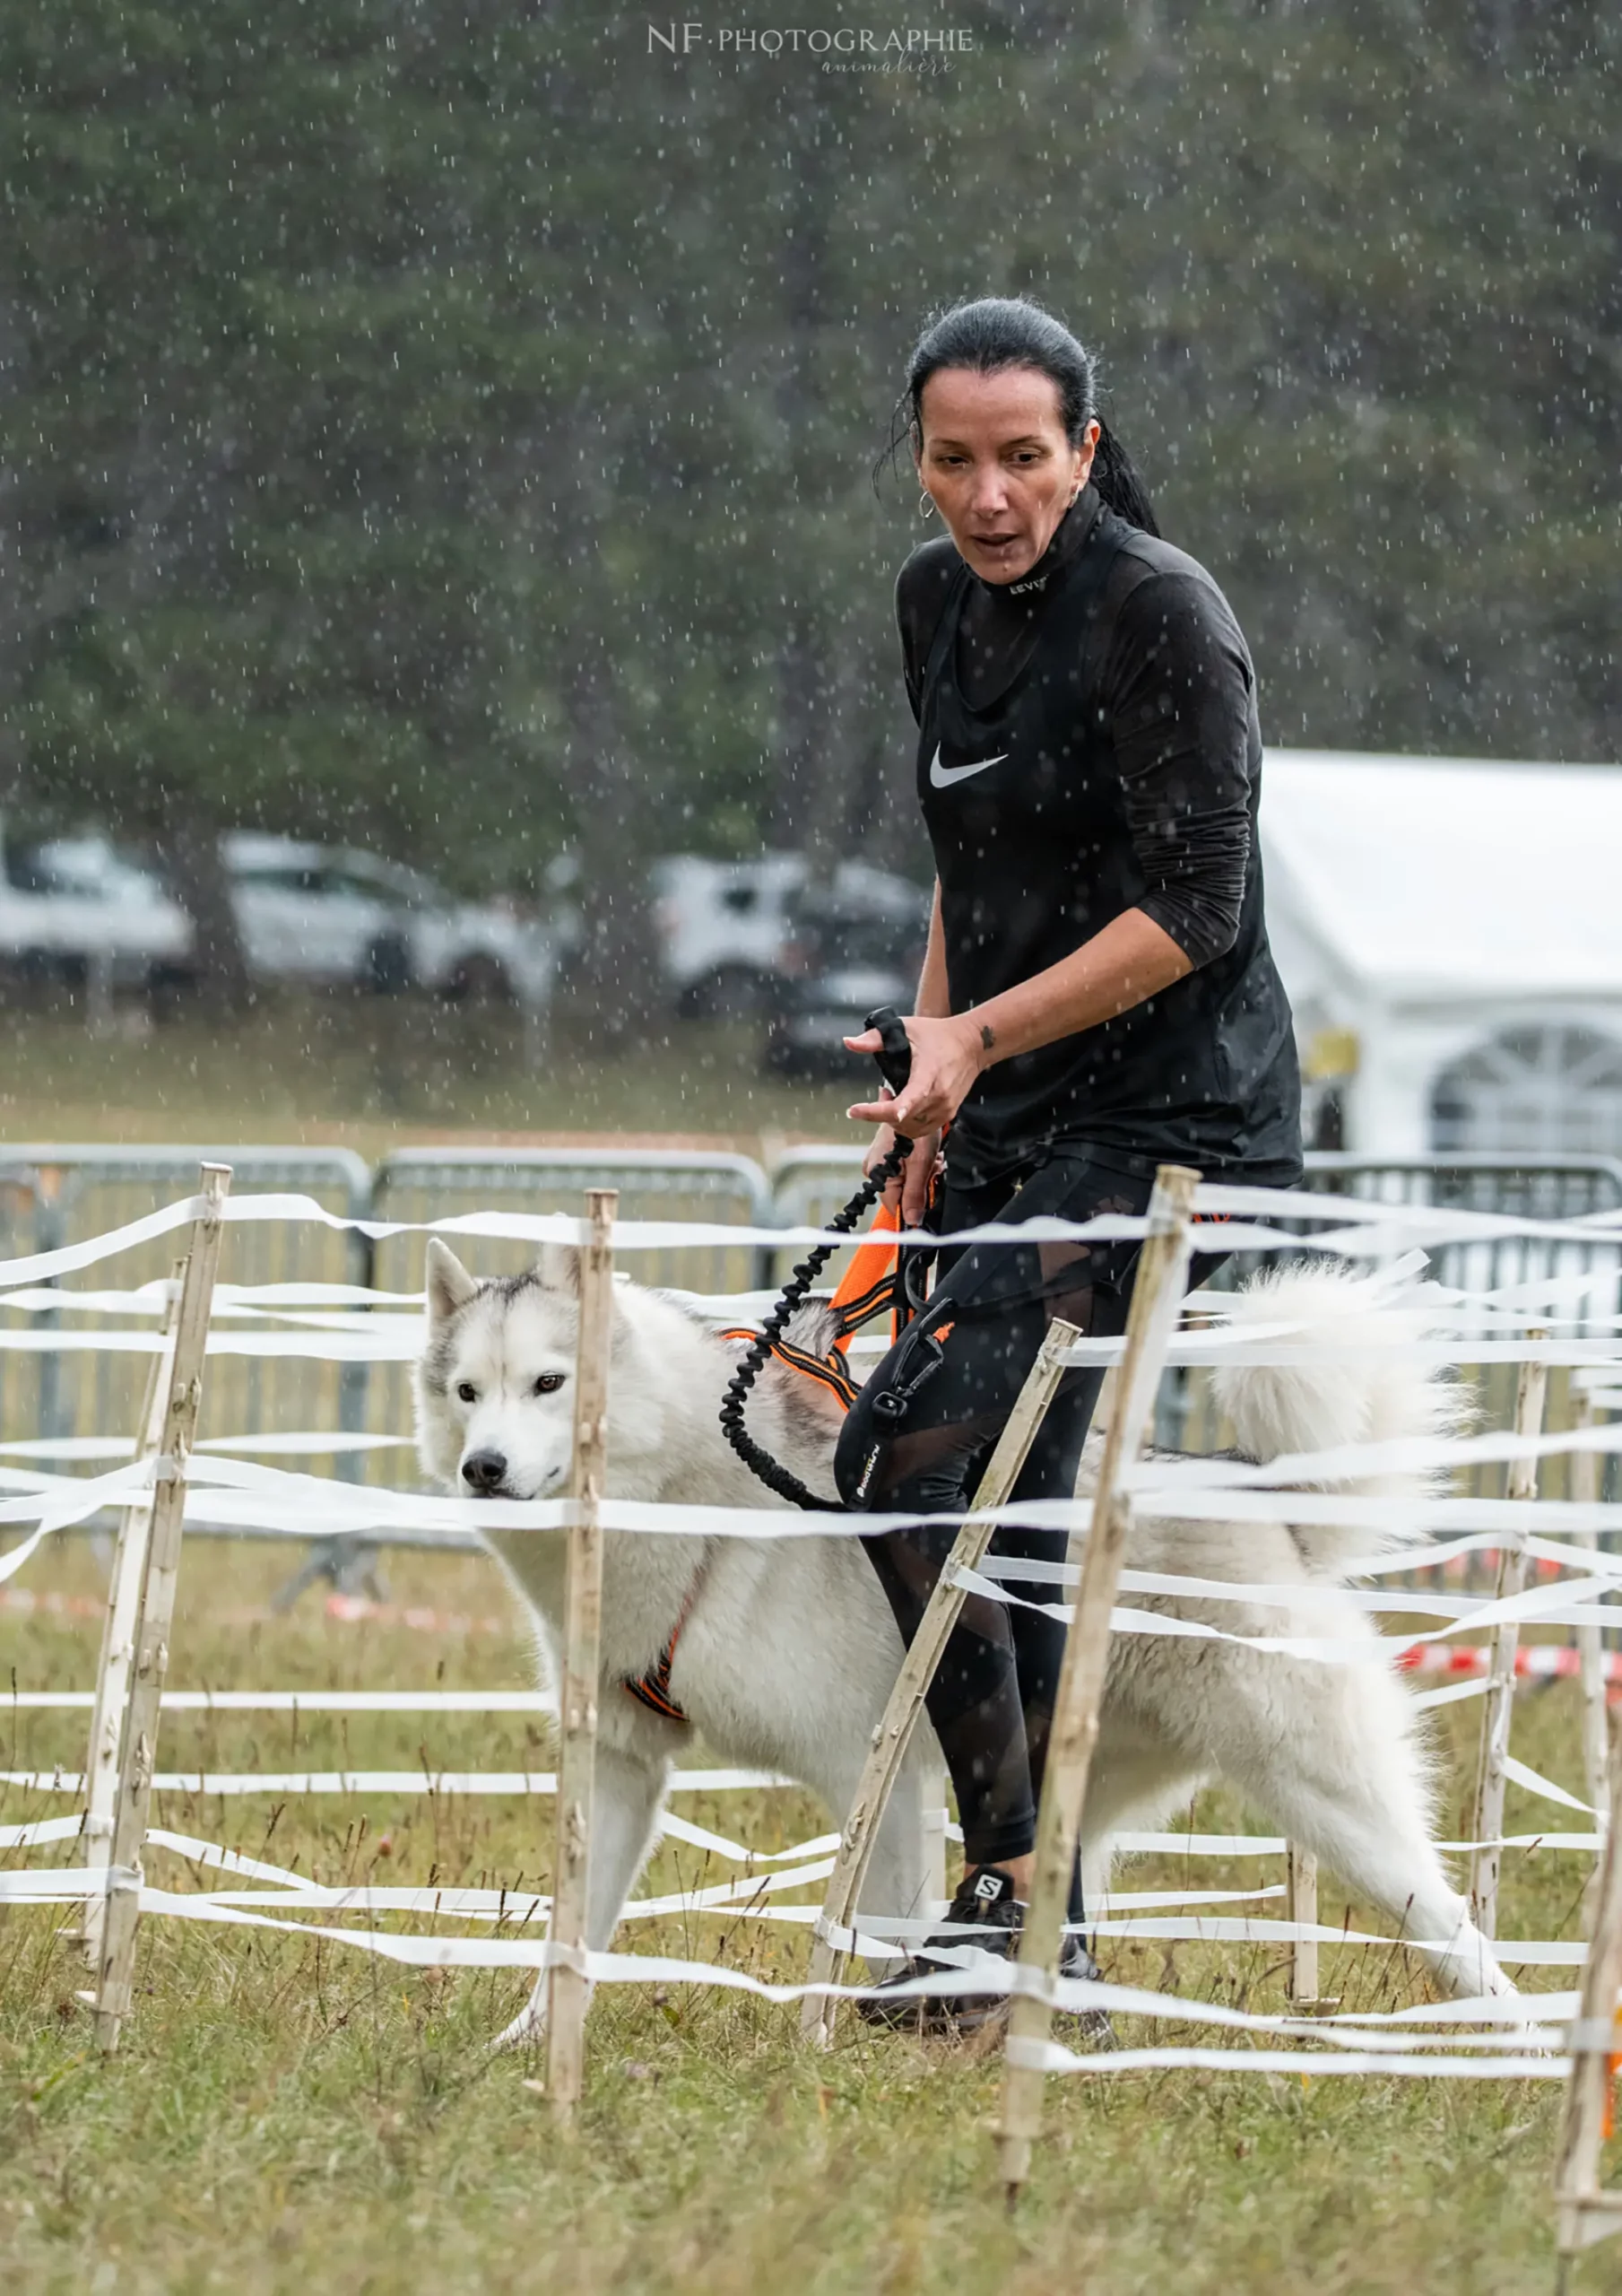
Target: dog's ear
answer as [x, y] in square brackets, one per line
[557, 1269]
[449, 1285]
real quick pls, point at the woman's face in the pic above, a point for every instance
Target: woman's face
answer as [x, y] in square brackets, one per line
[995, 459]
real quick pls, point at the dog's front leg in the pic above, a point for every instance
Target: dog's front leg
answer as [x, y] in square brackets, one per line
[627, 1795]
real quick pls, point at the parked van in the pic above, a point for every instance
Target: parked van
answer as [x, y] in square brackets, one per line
[727, 928]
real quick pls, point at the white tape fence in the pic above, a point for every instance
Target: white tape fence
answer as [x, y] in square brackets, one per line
[41, 1494]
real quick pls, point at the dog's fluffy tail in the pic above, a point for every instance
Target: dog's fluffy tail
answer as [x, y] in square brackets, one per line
[1361, 1386]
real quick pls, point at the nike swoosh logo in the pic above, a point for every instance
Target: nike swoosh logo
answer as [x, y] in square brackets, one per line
[943, 776]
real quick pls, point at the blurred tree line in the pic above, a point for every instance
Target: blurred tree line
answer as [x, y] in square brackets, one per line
[453, 427]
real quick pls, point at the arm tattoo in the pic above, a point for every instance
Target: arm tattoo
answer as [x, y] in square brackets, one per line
[988, 1037]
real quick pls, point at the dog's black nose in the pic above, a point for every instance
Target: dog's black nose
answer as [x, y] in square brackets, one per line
[484, 1472]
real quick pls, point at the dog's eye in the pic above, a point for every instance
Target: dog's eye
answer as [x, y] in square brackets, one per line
[548, 1383]
[468, 1392]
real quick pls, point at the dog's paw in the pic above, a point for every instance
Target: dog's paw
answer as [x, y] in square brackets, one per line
[525, 2032]
[1091, 2029]
[527, 2029]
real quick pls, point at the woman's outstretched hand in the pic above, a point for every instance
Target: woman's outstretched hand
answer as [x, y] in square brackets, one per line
[947, 1057]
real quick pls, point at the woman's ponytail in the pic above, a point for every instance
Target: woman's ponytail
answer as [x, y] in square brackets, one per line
[1118, 482]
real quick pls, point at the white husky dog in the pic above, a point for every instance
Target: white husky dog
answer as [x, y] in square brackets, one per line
[787, 1649]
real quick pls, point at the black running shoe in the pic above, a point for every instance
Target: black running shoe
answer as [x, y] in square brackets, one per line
[882, 2008]
[985, 1898]
[985, 1901]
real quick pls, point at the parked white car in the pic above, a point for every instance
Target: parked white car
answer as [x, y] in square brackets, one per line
[726, 929]
[308, 912]
[325, 913]
[69, 904]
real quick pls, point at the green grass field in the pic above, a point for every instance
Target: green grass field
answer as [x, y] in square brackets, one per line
[376, 1073]
[290, 2115]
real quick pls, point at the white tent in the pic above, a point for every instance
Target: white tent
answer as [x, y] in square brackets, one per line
[1449, 931]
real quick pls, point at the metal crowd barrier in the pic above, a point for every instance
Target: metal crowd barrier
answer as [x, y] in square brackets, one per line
[51, 1195]
[21, 1404]
[809, 1183]
[1529, 1188]
[57, 1195]
[1563, 1190]
[654, 1184]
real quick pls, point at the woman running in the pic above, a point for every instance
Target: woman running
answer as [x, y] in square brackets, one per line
[1097, 996]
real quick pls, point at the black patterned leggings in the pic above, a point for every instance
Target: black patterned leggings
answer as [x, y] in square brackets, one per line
[991, 1700]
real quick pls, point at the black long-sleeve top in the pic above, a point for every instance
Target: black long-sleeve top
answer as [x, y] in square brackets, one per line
[1089, 742]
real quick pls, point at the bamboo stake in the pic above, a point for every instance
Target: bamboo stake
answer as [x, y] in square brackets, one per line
[1301, 1883]
[1591, 1647]
[934, 1841]
[568, 1991]
[1521, 1483]
[155, 1611]
[893, 1734]
[1156, 1300]
[119, 1634]
[1584, 2212]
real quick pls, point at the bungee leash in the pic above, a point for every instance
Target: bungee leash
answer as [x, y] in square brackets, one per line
[895, 1060]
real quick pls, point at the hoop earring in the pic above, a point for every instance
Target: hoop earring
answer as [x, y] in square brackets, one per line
[926, 504]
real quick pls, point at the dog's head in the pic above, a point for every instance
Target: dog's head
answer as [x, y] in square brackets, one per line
[495, 1381]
